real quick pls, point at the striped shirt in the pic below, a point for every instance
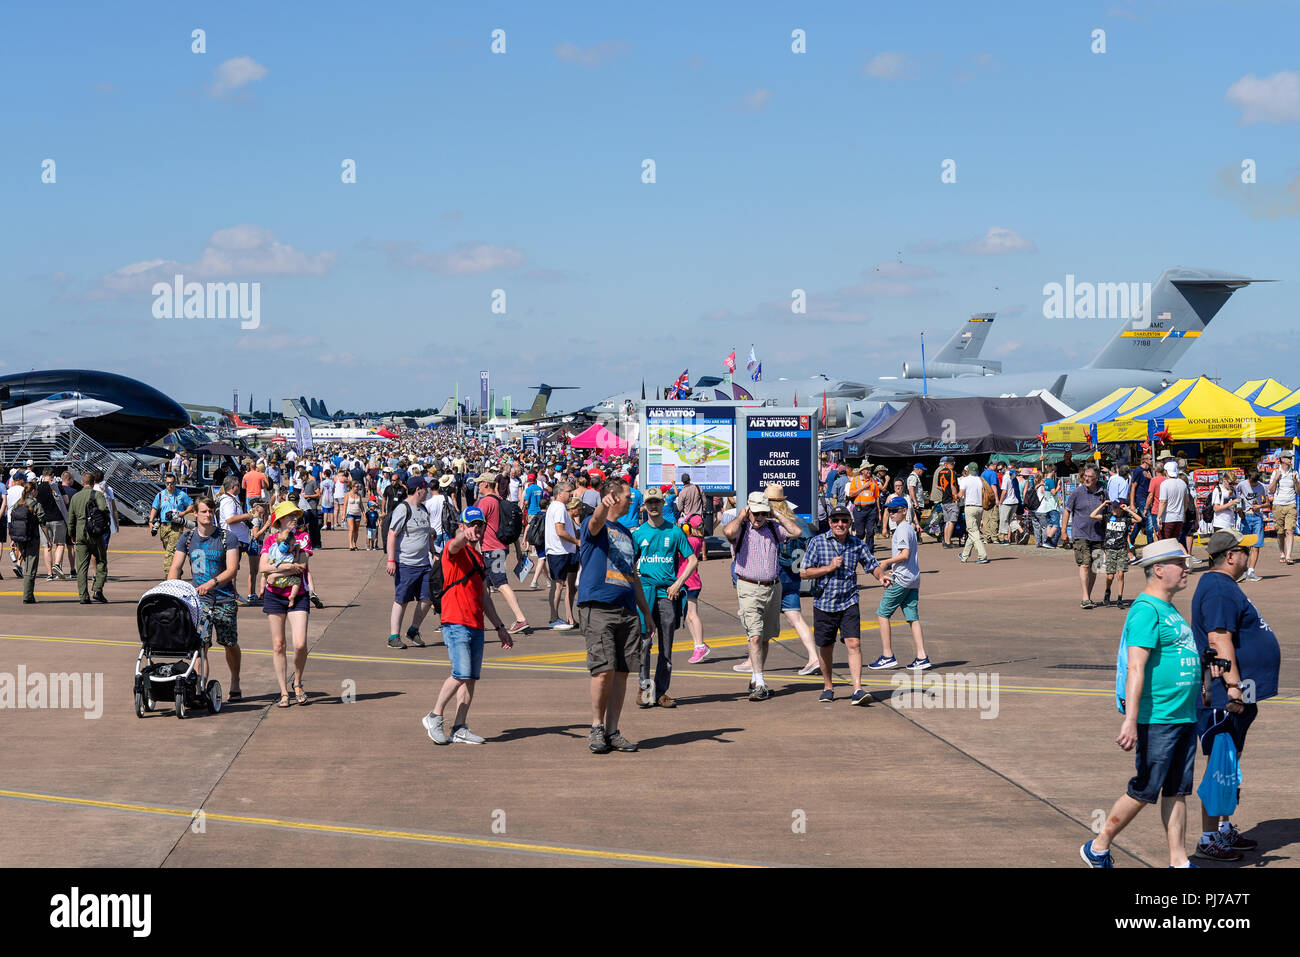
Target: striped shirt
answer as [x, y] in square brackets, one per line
[756, 552]
[840, 587]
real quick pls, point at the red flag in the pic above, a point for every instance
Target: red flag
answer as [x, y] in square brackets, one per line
[796, 398]
[730, 361]
[823, 408]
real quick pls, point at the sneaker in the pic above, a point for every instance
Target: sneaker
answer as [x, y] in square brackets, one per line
[1232, 837]
[316, 602]
[920, 664]
[1217, 849]
[61, 574]
[559, 624]
[517, 627]
[433, 724]
[809, 670]
[881, 663]
[1095, 860]
[463, 735]
[743, 666]
[395, 641]
[620, 743]
[413, 636]
[827, 695]
[597, 742]
[1252, 576]
[699, 654]
[666, 702]
[981, 561]
[759, 693]
[99, 597]
[646, 697]
[860, 697]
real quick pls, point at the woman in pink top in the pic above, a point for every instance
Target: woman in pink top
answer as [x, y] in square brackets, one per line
[694, 528]
[275, 604]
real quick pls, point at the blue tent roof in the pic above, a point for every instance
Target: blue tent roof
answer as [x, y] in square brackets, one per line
[884, 414]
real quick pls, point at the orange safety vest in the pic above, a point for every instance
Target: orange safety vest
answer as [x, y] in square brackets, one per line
[864, 493]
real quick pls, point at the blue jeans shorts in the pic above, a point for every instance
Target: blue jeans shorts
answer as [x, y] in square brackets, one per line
[465, 646]
[1252, 524]
[1165, 762]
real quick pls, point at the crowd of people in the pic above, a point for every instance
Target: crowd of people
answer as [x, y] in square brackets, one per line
[464, 522]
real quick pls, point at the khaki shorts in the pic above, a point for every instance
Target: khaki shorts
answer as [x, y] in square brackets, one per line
[613, 635]
[1084, 550]
[760, 609]
[1284, 517]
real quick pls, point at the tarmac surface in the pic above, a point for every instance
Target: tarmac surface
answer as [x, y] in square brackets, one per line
[1009, 776]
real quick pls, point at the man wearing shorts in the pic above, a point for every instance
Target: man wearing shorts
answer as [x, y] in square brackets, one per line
[562, 558]
[904, 592]
[609, 597]
[1224, 619]
[757, 540]
[465, 600]
[1282, 489]
[1086, 532]
[410, 564]
[659, 547]
[1172, 502]
[833, 558]
[213, 555]
[1159, 672]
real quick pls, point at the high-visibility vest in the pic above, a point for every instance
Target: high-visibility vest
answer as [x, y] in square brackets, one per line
[864, 493]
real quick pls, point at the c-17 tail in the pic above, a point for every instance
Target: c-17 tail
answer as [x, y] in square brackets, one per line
[966, 342]
[538, 411]
[1173, 315]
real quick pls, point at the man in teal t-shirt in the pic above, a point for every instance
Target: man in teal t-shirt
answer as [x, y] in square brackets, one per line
[1161, 676]
[660, 546]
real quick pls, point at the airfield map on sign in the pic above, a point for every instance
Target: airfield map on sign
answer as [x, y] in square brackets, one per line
[700, 447]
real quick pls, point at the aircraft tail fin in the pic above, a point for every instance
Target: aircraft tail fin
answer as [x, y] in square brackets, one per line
[967, 341]
[448, 407]
[1175, 313]
[538, 409]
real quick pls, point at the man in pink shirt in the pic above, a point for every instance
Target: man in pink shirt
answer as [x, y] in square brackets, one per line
[495, 553]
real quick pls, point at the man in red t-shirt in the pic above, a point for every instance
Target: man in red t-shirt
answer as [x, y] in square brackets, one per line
[465, 599]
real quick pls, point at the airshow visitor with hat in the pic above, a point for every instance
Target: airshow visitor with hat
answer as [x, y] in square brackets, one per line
[1247, 658]
[660, 549]
[971, 488]
[832, 561]
[276, 604]
[1282, 489]
[903, 591]
[1156, 690]
[465, 601]
[790, 559]
[757, 540]
[1254, 495]
[410, 563]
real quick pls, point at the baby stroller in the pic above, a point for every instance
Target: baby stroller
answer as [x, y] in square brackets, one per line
[172, 623]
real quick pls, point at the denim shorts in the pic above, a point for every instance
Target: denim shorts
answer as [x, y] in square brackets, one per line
[465, 646]
[1165, 761]
[273, 604]
[1252, 524]
[789, 595]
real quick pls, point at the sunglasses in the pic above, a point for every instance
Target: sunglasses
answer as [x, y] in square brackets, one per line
[839, 521]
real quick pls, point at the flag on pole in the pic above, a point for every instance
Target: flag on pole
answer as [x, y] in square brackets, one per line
[796, 399]
[753, 360]
[758, 373]
[823, 408]
[681, 386]
[730, 361]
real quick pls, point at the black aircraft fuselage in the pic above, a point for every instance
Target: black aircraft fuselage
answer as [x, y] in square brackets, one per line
[145, 417]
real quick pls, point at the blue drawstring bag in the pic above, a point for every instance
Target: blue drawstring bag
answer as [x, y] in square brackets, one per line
[1218, 790]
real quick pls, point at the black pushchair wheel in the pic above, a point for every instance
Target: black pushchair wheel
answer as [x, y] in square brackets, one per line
[214, 696]
[139, 705]
[180, 700]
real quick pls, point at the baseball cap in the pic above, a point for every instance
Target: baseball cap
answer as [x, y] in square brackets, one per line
[472, 514]
[695, 521]
[758, 502]
[653, 495]
[1228, 538]
[489, 478]
[918, 465]
[837, 511]
[896, 502]
[415, 484]
[1171, 467]
[1163, 550]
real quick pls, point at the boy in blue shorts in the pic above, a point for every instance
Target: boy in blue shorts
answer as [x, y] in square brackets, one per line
[903, 593]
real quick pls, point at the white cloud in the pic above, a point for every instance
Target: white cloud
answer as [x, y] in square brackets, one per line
[756, 101]
[235, 73]
[999, 240]
[237, 252]
[889, 65]
[1275, 99]
[597, 54]
[464, 259]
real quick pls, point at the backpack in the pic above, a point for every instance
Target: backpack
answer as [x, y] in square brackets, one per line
[510, 521]
[449, 520]
[478, 569]
[97, 524]
[1032, 501]
[988, 497]
[22, 525]
[537, 532]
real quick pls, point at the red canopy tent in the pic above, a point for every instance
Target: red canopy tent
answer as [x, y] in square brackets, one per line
[599, 437]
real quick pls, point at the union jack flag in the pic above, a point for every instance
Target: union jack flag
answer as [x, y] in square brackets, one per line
[682, 386]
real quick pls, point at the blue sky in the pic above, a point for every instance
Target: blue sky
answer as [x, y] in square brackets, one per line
[774, 171]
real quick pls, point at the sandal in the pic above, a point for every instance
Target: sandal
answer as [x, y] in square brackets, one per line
[284, 701]
[299, 694]
[1086, 603]
[234, 695]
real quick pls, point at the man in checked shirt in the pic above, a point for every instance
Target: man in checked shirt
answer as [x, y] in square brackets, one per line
[833, 558]
[757, 535]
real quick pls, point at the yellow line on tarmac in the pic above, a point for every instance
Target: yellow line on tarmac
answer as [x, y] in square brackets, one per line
[561, 657]
[43, 594]
[418, 836]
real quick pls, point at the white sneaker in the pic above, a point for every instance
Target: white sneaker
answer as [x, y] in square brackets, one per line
[743, 666]
[433, 724]
[1252, 576]
[463, 735]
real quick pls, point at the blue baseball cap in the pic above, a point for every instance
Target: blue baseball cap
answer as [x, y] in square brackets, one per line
[918, 465]
[472, 514]
[896, 502]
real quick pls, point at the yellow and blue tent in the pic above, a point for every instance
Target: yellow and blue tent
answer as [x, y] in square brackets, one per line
[1288, 403]
[1076, 428]
[1265, 392]
[1197, 410]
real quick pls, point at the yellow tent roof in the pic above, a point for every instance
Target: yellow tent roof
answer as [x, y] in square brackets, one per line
[1288, 403]
[1195, 409]
[1265, 392]
[1074, 428]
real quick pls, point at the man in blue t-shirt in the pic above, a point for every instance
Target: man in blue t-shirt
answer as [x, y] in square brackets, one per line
[608, 601]
[1138, 487]
[213, 554]
[1224, 619]
[659, 545]
[633, 517]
